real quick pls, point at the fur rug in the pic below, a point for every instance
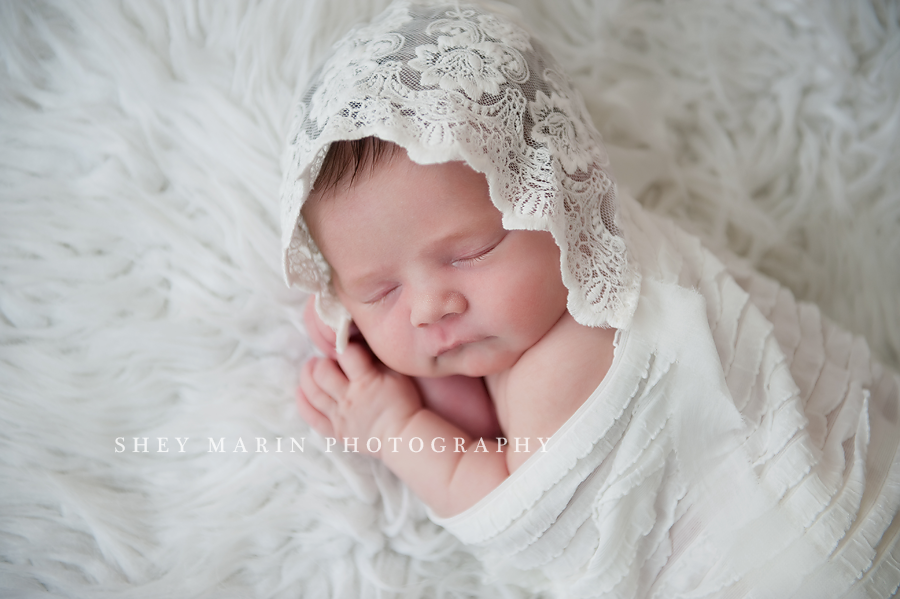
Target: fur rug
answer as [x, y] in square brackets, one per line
[140, 288]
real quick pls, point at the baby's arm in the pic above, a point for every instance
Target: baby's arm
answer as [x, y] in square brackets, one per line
[355, 397]
[461, 400]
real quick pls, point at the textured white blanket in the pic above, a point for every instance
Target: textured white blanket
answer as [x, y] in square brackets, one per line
[741, 445]
[141, 298]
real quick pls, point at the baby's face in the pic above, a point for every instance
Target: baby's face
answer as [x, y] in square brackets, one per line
[434, 282]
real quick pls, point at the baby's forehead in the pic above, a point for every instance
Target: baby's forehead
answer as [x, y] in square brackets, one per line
[429, 206]
[390, 178]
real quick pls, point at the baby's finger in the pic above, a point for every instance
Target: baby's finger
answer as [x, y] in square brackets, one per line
[328, 375]
[312, 416]
[356, 361]
[317, 397]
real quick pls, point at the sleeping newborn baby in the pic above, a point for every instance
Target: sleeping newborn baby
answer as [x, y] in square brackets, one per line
[673, 423]
[437, 287]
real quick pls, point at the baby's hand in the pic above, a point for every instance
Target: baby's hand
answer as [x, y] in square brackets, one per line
[462, 401]
[353, 396]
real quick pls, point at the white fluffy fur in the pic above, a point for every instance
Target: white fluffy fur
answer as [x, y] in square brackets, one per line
[140, 284]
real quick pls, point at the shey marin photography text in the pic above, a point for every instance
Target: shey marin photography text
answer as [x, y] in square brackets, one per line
[332, 444]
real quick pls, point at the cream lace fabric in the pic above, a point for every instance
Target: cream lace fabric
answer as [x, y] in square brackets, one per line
[454, 82]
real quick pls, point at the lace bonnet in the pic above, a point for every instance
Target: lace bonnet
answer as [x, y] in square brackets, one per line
[449, 82]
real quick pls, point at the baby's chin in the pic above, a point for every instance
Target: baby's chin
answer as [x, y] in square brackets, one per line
[474, 363]
[430, 367]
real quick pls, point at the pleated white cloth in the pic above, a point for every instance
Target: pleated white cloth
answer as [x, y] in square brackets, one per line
[741, 445]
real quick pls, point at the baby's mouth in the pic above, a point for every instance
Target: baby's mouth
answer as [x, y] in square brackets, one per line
[455, 345]
[447, 349]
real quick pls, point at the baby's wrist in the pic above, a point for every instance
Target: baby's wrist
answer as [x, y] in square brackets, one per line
[397, 427]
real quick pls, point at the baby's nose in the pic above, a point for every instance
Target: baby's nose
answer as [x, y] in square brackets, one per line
[429, 308]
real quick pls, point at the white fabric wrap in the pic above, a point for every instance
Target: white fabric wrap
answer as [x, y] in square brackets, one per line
[454, 82]
[740, 446]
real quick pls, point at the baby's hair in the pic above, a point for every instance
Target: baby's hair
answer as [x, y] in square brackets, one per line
[346, 159]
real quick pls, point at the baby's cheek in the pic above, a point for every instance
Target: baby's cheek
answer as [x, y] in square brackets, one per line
[516, 296]
[539, 301]
[391, 345]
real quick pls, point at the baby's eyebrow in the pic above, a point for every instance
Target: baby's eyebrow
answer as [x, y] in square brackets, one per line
[473, 235]
[368, 278]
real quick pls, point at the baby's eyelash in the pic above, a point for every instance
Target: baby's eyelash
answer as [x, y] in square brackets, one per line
[480, 256]
[380, 298]
[473, 259]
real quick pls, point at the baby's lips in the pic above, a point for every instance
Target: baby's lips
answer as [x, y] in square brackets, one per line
[455, 343]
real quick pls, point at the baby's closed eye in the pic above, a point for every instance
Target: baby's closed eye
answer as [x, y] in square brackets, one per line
[479, 254]
[380, 296]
